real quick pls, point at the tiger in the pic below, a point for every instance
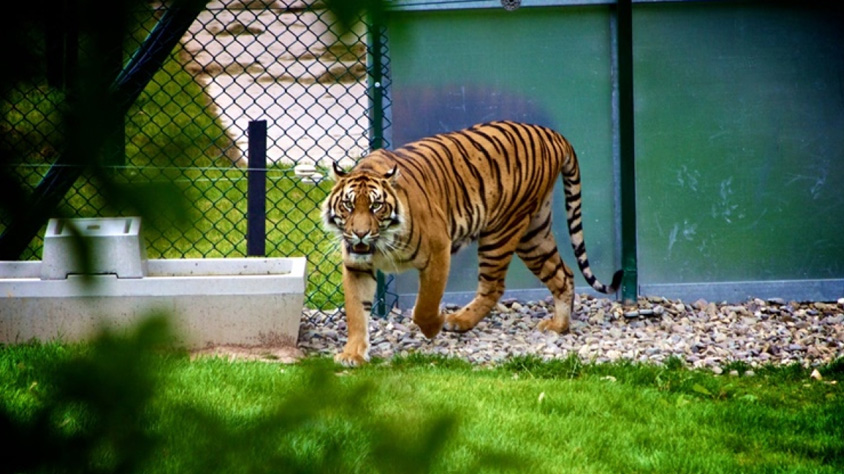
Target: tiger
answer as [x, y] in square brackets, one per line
[415, 206]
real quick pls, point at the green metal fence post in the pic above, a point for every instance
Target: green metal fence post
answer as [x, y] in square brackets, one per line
[629, 285]
[376, 94]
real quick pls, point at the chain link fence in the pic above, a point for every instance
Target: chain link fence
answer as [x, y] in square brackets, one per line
[240, 61]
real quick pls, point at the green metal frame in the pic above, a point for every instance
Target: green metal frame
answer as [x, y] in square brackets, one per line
[376, 94]
[624, 43]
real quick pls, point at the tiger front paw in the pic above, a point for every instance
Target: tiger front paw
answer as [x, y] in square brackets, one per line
[553, 325]
[456, 323]
[431, 327]
[352, 356]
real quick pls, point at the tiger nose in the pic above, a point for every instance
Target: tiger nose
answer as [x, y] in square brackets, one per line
[361, 235]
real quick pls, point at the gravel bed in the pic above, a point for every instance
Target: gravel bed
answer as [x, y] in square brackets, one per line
[702, 333]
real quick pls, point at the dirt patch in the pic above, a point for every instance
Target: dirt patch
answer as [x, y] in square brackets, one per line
[283, 354]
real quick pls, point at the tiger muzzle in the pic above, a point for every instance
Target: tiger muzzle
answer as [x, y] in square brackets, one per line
[361, 243]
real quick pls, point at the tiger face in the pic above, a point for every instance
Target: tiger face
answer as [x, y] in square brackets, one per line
[364, 211]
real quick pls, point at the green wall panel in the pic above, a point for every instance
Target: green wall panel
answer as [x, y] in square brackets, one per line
[739, 142]
[451, 69]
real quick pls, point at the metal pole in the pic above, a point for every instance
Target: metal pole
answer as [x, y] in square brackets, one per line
[256, 190]
[377, 133]
[630, 283]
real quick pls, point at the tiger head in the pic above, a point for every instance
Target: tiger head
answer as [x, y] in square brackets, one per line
[364, 211]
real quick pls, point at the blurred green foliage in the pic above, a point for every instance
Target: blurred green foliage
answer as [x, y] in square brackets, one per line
[110, 407]
[91, 410]
[75, 138]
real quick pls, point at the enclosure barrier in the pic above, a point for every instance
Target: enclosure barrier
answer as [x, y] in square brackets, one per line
[735, 155]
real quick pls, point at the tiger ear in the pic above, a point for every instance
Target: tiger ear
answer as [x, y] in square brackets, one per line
[393, 174]
[338, 171]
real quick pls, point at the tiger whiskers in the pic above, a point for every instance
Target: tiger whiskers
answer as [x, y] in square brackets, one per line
[387, 247]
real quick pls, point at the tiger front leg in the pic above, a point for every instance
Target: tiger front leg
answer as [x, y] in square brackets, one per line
[359, 288]
[432, 281]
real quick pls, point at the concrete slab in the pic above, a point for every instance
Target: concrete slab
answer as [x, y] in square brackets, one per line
[244, 301]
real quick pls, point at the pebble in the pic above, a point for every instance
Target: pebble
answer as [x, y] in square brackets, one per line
[703, 334]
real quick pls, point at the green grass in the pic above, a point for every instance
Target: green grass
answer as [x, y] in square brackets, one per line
[424, 414]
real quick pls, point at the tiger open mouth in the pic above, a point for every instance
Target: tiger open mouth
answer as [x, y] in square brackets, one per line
[361, 248]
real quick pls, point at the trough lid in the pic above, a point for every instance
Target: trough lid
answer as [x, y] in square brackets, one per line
[114, 243]
[93, 227]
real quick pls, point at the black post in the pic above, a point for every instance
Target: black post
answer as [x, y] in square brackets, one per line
[256, 190]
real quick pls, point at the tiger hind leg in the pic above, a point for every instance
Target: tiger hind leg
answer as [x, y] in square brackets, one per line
[538, 249]
[495, 251]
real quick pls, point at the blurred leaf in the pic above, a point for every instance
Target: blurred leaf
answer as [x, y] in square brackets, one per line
[700, 389]
[100, 413]
[349, 12]
[94, 419]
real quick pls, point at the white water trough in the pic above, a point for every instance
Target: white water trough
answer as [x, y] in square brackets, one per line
[231, 301]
